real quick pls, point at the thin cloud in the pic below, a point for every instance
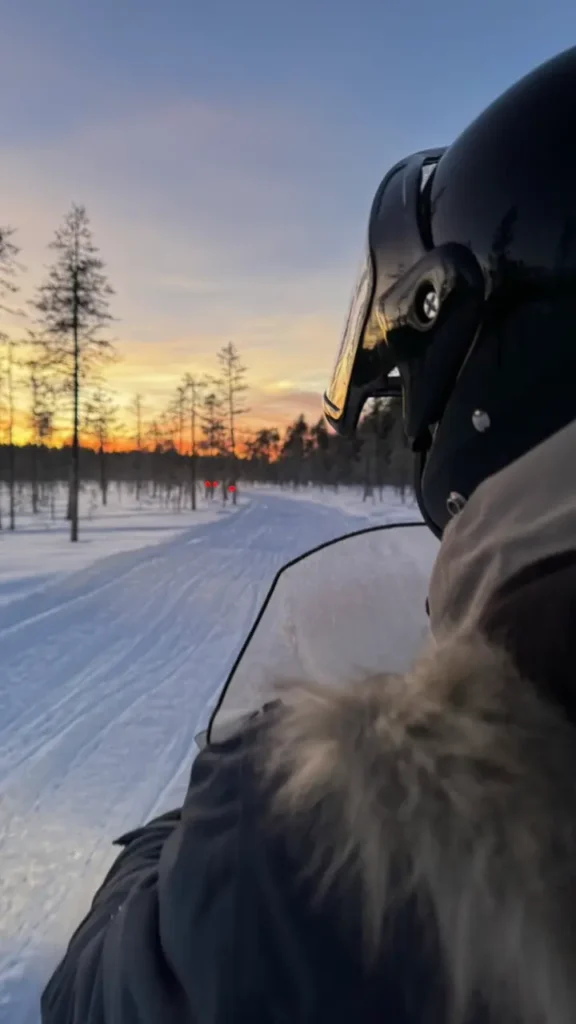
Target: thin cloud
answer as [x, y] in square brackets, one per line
[282, 409]
[189, 285]
[201, 223]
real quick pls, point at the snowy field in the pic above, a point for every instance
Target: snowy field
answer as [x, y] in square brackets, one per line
[113, 653]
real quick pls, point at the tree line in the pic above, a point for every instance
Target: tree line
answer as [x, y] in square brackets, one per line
[378, 457]
[55, 366]
[166, 468]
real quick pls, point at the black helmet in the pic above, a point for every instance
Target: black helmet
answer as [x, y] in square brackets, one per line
[466, 300]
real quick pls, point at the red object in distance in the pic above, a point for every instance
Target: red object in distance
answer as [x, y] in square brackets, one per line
[231, 489]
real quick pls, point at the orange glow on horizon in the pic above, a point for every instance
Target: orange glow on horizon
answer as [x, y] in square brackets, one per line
[286, 366]
[63, 439]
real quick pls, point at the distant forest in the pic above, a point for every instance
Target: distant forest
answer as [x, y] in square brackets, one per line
[376, 459]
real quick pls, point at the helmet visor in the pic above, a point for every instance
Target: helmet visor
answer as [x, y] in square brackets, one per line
[395, 245]
[336, 396]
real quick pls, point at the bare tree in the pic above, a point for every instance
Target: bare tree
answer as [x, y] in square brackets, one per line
[168, 427]
[43, 394]
[137, 412]
[180, 414]
[9, 267]
[35, 424]
[155, 439]
[176, 416]
[73, 308]
[102, 423]
[214, 432]
[194, 389]
[233, 383]
[11, 447]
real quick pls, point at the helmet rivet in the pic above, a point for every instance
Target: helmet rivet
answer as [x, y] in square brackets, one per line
[455, 503]
[426, 303]
[481, 421]
[430, 305]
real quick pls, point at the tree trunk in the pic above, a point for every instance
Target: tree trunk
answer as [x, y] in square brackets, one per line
[232, 441]
[34, 474]
[75, 466]
[11, 449]
[103, 476]
[139, 451]
[74, 491]
[368, 491]
[69, 505]
[12, 483]
[234, 482]
[193, 450]
[193, 481]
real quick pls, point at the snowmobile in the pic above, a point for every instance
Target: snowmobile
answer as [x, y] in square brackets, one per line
[347, 608]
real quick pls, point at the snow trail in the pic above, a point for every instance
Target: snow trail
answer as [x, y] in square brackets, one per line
[107, 676]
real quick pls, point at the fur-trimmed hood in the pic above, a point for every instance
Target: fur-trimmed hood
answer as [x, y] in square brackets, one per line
[521, 516]
[463, 774]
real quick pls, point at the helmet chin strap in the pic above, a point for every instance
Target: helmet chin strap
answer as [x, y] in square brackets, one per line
[420, 457]
[419, 466]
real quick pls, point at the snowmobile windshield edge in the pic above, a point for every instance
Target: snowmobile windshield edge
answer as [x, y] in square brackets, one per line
[349, 608]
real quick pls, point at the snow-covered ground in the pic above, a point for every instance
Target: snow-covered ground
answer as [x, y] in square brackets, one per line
[386, 506]
[40, 549]
[112, 658]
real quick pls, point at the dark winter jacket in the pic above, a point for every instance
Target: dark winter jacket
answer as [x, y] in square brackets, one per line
[203, 919]
[400, 852]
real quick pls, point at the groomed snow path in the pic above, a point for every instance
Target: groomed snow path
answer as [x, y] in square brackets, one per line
[105, 679]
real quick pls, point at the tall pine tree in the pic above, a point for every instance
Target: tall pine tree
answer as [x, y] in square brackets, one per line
[73, 309]
[232, 383]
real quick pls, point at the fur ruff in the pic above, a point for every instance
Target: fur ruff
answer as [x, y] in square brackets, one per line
[463, 774]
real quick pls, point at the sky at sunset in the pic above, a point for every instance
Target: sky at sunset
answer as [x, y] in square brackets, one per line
[227, 152]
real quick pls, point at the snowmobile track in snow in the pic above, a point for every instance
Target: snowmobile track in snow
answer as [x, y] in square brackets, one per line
[107, 677]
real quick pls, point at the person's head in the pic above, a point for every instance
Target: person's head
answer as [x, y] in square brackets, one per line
[466, 301]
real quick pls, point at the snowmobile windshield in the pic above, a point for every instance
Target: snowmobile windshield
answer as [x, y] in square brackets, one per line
[350, 608]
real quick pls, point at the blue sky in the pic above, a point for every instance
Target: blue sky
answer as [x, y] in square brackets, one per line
[228, 151]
